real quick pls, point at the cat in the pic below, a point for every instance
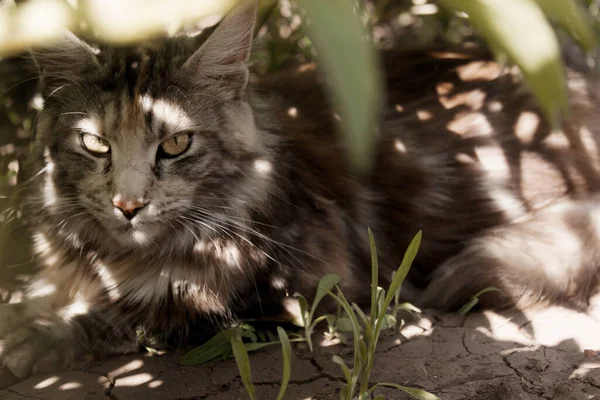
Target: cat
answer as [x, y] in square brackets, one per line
[178, 193]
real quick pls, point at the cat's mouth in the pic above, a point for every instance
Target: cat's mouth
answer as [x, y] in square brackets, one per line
[135, 234]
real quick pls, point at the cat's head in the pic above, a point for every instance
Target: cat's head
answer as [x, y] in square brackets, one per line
[154, 140]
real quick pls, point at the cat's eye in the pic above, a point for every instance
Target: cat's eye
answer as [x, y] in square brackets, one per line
[176, 145]
[95, 144]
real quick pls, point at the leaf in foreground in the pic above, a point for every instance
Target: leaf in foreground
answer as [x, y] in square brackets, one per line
[416, 393]
[243, 363]
[286, 350]
[216, 347]
[348, 59]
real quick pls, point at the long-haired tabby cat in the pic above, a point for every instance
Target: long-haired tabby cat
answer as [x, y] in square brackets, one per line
[176, 194]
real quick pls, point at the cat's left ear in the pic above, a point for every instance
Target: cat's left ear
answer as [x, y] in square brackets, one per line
[224, 55]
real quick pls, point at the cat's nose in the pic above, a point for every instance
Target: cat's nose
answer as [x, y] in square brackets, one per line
[129, 207]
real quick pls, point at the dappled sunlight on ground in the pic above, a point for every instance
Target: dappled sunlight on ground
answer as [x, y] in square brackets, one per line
[548, 353]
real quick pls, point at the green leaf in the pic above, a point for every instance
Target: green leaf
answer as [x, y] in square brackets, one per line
[374, 275]
[380, 397]
[363, 317]
[331, 319]
[571, 17]
[364, 353]
[212, 349]
[325, 285]
[243, 363]
[347, 57]
[347, 371]
[341, 300]
[261, 335]
[250, 335]
[345, 392]
[410, 308]
[303, 311]
[344, 324]
[520, 30]
[407, 261]
[317, 322]
[389, 321]
[286, 349]
[381, 306]
[257, 346]
[416, 393]
[468, 306]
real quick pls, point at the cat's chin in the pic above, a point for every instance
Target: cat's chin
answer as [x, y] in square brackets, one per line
[134, 237]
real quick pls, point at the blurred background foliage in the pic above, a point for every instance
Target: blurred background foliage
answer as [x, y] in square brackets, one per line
[341, 34]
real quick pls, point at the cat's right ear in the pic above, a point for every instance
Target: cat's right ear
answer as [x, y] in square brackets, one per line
[63, 62]
[223, 57]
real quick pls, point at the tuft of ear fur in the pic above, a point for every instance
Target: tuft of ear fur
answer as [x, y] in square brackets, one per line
[64, 61]
[224, 55]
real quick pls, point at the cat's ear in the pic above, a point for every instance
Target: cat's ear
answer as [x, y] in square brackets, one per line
[65, 61]
[224, 55]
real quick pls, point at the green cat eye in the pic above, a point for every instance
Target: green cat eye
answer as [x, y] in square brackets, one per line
[95, 144]
[176, 145]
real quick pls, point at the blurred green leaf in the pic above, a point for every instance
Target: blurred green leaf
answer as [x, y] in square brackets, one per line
[520, 30]
[571, 17]
[347, 372]
[468, 306]
[416, 393]
[389, 321]
[344, 324]
[243, 363]
[374, 275]
[286, 349]
[348, 58]
[214, 348]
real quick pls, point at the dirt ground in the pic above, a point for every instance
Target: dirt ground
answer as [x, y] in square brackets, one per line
[551, 353]
[544, 354]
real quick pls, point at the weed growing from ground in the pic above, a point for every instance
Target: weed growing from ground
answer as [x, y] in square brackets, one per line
[239, 340]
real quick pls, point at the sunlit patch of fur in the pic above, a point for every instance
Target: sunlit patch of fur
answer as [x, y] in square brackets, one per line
[167, 113]
[89, 125]
[262, 166]
[527, 125]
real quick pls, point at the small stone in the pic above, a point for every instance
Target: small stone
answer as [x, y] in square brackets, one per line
[590, 353]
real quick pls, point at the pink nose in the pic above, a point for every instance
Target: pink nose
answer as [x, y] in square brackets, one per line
[128, 207]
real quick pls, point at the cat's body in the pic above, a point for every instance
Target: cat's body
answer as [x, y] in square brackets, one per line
[254, 199]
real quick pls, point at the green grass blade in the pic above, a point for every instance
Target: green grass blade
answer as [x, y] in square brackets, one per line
[212, 349]
[341, 300]
[473, 301]
[345, 370]
[348, 59]
[325, 285]
[416, 393]
[407, 261]
[243, 363]
[374, 275]
[365, 320]
[468, 306]
[303, 311]
[343, 324]
[286, 350]
[519, 29]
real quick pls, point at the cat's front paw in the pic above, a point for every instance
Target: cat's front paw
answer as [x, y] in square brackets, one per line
[36, 349]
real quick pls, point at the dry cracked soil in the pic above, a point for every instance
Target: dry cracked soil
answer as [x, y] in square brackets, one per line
[544, 354]
[551, 353]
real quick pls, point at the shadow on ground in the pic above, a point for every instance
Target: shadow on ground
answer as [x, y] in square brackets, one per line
[546, 354]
